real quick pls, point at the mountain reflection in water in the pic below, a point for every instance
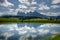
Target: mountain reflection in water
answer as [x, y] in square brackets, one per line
[25, 31]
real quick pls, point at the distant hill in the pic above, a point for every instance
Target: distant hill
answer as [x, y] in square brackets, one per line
[32, 14]
[36, 14]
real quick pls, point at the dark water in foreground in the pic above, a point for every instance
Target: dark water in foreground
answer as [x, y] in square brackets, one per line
[28, 31]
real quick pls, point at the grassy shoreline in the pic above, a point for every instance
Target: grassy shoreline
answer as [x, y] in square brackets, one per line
[16, 20]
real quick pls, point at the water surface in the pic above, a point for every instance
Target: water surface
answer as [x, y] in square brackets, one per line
[22, 31]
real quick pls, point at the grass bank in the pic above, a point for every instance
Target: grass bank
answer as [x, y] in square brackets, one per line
[17, 20]
[56, 37]
[42, 21]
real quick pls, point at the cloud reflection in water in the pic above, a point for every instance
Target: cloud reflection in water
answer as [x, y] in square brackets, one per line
[23, 30]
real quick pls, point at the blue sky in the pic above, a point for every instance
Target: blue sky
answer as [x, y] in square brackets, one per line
[45, 7]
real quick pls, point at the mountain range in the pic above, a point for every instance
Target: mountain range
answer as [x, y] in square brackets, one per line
[34, 14]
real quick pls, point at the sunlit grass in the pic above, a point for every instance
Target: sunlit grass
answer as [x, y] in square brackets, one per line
[42, 20]
[57, 37]
[36, 20]
[9, 19]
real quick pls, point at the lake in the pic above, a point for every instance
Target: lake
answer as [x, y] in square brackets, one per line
[28, 31]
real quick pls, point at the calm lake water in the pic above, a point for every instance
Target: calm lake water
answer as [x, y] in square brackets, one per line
[22, 31]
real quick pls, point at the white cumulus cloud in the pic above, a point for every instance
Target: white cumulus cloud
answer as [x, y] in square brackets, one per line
[51, 13]
[55, 1]
[26, 7]
[55, 6]
[43, 7]
[28, 2]
[9, 12]
[6, 3]
[22, 6]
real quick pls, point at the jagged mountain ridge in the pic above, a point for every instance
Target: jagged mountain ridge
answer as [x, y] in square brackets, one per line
[31, 14]
[36, 14]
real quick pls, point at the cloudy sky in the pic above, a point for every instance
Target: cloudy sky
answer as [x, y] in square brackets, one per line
[45, 7]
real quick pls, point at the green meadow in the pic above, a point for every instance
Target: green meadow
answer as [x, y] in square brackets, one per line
[35, 20]
[56, 37]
